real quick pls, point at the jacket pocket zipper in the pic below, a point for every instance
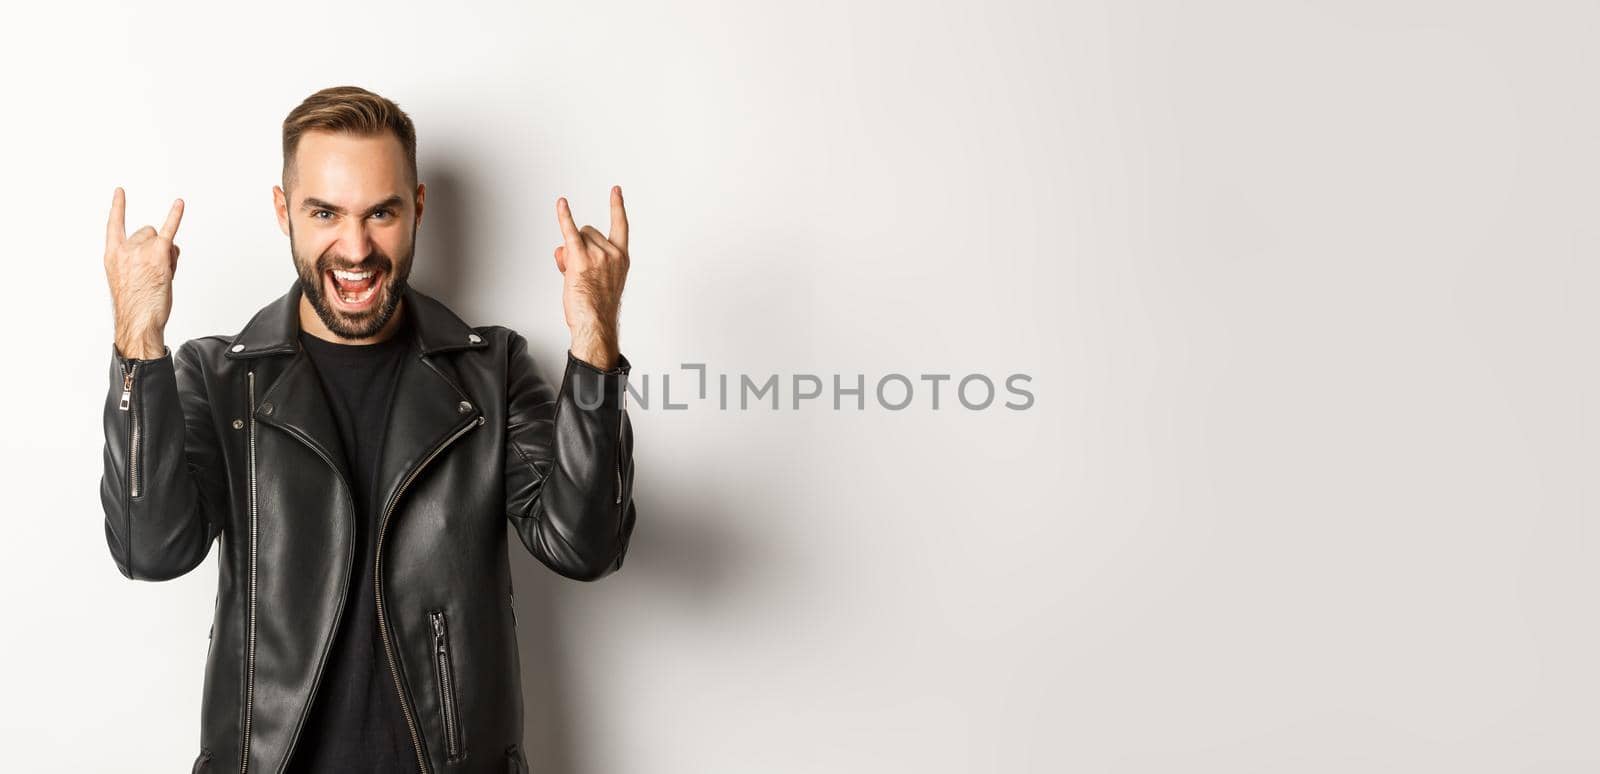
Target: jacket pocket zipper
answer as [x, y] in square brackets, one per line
[127, 404]
[377, 591]
[447, 697]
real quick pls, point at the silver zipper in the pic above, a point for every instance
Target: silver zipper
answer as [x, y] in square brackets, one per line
[250, 683]
[447, 696]
[377, 583]
[126, 404]
[619, 444]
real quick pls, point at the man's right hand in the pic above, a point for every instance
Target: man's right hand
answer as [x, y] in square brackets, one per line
[140, 267]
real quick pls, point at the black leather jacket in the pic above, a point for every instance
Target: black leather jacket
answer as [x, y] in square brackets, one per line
[230, 438]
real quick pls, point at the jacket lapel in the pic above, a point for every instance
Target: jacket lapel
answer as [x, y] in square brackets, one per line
[427, 409]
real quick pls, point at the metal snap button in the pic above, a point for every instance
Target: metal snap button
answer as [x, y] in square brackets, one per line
[238, 423]
[463, 407]
[238, 348]
[266, 408]
[474, 338]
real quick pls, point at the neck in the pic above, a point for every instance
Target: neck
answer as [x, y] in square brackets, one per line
[311, 322]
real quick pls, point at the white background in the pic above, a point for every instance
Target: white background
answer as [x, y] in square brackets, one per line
[1305, 289]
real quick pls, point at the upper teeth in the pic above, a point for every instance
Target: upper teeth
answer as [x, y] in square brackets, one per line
[352, 276]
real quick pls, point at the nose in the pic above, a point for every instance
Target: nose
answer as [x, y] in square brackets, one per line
[353, 243]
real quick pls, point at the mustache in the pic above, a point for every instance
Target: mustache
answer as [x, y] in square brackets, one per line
[375, 261]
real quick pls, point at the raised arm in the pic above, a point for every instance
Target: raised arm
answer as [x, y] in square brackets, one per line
[569, 454]
[163, 487]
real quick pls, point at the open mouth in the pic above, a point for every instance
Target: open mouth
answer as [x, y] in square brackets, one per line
[352, 291]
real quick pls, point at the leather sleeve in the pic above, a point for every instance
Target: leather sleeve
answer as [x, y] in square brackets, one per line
[569, 464]
[163, 472]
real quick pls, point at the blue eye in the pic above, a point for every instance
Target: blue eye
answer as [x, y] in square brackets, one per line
[382, 212]
[315, 213]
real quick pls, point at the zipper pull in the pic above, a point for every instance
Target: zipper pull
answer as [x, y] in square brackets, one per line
[438, 631]
[127, 387]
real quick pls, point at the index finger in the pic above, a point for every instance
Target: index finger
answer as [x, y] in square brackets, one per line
[116, 228]
[569, 230]
[619, 220]
[169, 229]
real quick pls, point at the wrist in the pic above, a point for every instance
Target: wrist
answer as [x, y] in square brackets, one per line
[595, 345]
[141, 345]
[600, 358]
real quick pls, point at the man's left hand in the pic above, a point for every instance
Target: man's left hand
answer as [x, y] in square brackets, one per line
[593, 269]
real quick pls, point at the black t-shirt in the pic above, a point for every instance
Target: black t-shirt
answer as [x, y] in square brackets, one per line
[356, 723]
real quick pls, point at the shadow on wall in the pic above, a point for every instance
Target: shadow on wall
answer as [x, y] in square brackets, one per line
[674, 554]
[680, 562]
[448, 262]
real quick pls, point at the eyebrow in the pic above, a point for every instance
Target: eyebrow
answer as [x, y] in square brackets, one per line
[313, 203]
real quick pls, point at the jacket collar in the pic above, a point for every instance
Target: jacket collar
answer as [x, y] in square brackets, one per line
[275, 328]
[429, 407]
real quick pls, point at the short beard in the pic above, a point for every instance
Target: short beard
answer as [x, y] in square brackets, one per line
[365, 325]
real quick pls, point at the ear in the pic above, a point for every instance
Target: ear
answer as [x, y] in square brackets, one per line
[422, 193]
[280, 203]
